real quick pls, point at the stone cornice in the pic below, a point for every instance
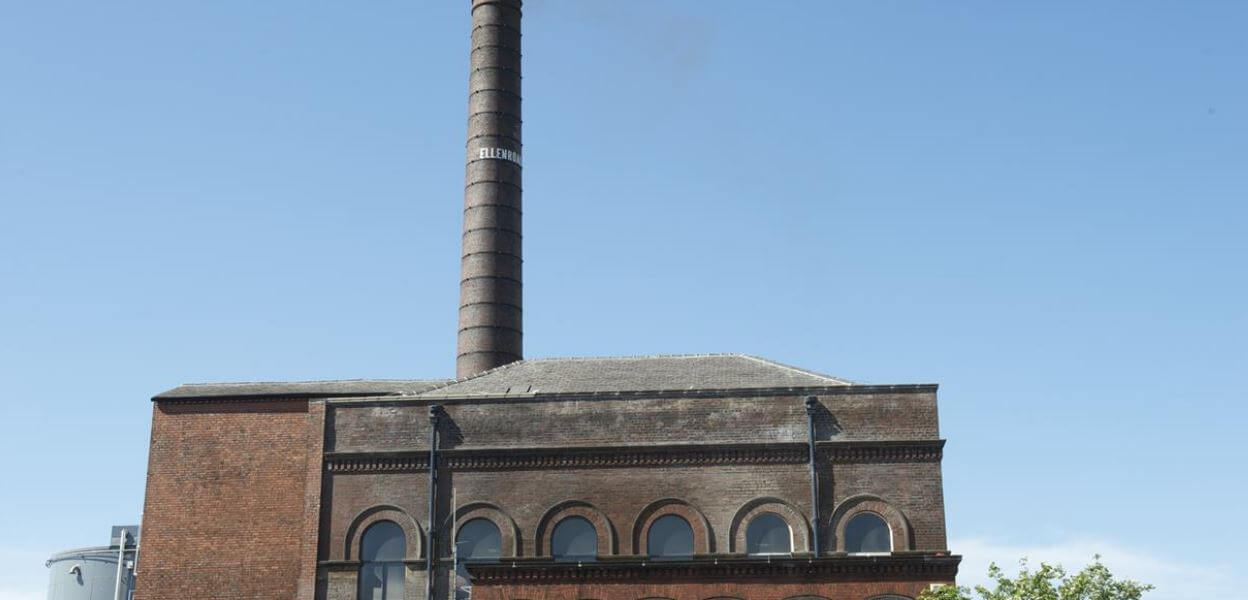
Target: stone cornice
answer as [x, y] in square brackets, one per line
[376, 462]
[390, 398]
[508, 459]
[831, 390]
[881, 452]
[927, 566]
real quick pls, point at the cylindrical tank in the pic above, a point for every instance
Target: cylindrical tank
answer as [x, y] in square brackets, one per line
[89, 574]
[490, 265]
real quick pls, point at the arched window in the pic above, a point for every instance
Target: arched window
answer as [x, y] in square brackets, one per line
[768, 533]
[670, 537]
[382, 551]
[867, 532]
[479, 539]
[574, 539]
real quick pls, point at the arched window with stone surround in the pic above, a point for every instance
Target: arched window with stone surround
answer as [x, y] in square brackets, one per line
[670, 536]
[574, 539]
[768, 533]
[867, 532]
[382, 550]
[477, 540]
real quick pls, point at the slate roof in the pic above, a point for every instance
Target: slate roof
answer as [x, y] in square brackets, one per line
[303, 389]
[635, 373]
[586, 375]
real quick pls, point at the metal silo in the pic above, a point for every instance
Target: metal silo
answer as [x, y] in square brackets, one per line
[96, 573]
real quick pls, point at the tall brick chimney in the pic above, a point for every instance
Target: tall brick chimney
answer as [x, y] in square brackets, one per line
[490, 332]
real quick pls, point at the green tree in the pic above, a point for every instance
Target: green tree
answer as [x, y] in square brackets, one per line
[1049, 582]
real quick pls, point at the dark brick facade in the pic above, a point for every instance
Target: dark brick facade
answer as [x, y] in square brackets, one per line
[251, 498]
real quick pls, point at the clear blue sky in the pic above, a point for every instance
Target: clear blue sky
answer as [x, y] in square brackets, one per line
[1040, 206]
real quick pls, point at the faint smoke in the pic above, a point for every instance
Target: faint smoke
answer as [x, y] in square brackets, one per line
[674, 36]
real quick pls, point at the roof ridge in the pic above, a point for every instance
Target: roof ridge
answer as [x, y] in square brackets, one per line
[449, 383]
[635, 356]
[359, 379]
[773, 363]
[729, 370]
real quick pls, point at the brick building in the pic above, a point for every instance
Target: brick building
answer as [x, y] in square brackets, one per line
[678, 477]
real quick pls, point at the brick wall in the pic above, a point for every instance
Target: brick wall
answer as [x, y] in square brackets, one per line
[718, 491]
[238, 505]
[513, 423]
[232, 500]
[915, 489]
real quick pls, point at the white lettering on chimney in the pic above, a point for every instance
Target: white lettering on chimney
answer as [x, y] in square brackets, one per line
[500, 154]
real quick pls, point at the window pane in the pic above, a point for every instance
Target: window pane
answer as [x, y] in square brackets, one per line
[384, 540]
[372, 579]
[479, 539]
[867, 532]
[394, 581]
[574, 539]
[670, 535]
[768, 534]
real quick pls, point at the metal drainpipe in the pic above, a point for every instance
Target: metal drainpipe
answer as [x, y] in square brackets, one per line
[435, 418]
[121, 562]
[811, 403]
[138, 545]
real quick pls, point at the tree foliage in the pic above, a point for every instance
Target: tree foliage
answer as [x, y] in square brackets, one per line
[1049, 582]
